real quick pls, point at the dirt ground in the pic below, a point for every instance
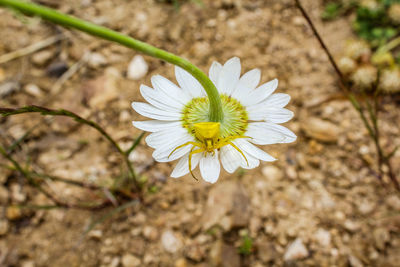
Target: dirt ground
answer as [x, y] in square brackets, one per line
[319, 204]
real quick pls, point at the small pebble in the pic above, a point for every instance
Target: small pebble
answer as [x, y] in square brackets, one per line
[33, 90]
[296, 251]
[137, 68]
[170, 242]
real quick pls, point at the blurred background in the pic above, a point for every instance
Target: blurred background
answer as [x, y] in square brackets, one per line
[325, 201]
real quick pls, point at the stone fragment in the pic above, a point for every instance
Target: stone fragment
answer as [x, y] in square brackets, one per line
[171, 243]
[3, 195]
[227, 203]
[181, 262]
[272, 173]
[394, 202]
[321, 130]
[128, 260]
[42, 57]
[150, 233]
[96, 60]
[115, 262]
[57, 69]
[266, 252]
[13, 213]
[8, 88]
[102, 90]
[4, 226]
[137, 246]
[95, 234]
[366, 207]
[229, 256]
[354, 261]
[17, 194]
[195, 253]
[28, 263]
[296, 251]
[137, 68]
[2, 75]
[323, 237]
[33, 90]
[351, 226]
[381, 237]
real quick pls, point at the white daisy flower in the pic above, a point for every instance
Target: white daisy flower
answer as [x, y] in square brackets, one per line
[180, 127]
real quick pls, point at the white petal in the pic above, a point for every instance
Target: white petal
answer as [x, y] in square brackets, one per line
[252, 162]
[155, 125]
[152, 112]
[158, 99]
[275, 115]
[170, 89]
[187, 82]
[265, 133]
[182, 168]
[210, 167]
[254, 151]
[247, 83]
[229, 76]
[278, 100]
[214, 72]
[260, 93]
[163, 154]
[166, 136]
[230, 158]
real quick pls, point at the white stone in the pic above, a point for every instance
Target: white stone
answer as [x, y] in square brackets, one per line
[128, 260]
[4, 226]
[137, 68]
[394, 202]
[115, 262]
[4, 195]
[272, 173]
[33, 90]
[42, 57]
[323, 237]
[150, 233]
[170, 242]
[96, 60]
[28, 263]
[296, 251]
[96, 234]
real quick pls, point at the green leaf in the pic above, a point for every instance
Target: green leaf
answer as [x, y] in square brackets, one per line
[331, 11]
[246, 248]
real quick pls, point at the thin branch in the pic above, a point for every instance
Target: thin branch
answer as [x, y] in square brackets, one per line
[322, 43]
[56, 201]
[67, 181]
[62, 112]
[30, 49]
[56, 88]
[135, 144]
[372, 130]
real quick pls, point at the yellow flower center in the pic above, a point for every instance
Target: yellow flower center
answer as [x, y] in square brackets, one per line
[233, 124]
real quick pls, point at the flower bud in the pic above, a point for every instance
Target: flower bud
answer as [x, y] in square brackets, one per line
[369, 4]
[389, 81]
[347, 65]
[382, 59]
[394, 13]
[357, 49]
[364, 76]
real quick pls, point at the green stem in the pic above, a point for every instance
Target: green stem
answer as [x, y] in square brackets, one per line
[52, 15]
[62, 112]
[390, 45]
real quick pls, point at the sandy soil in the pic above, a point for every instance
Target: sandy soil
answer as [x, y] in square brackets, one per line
[320, 204]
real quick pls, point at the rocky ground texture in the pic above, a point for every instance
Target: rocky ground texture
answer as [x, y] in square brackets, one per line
[319, 204]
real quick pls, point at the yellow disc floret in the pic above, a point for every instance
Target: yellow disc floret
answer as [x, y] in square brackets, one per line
[210, 136]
